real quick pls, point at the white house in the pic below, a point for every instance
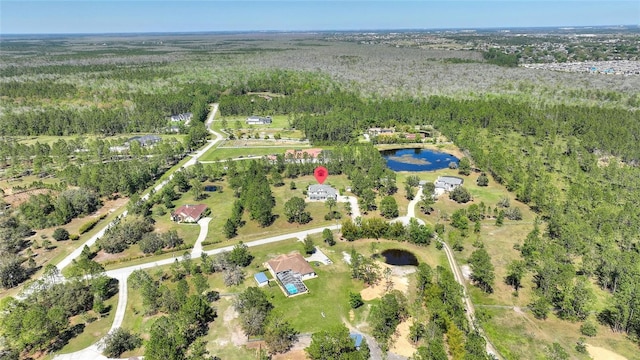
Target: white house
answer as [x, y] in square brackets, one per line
[257, 120]
[321, 192]
[447, 183]
[182, 117]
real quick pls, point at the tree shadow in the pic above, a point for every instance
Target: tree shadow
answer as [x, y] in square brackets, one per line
[65, 336]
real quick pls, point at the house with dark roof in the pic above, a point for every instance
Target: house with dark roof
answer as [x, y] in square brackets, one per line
[321, 192]
[189, 213]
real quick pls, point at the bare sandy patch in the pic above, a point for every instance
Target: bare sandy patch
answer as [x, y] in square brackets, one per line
[401, 344]
[291, 355]
[398, 277]
[17, 198]
[598, 353]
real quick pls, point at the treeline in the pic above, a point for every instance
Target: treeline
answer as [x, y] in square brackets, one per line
[135, 111]
[150, 114]
[497, 57]
[112, 70]
[45, 210]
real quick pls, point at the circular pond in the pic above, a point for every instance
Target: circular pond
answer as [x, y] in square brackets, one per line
[399, 257]
[417, 159]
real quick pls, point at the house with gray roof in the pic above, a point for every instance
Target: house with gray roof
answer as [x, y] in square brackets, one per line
[321, 192]
[144, 140]
[448, 183]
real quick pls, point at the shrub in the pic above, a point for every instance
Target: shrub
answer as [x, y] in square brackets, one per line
[460, 195]
[589, 329]
[119, 341]
[88, 226]
[355, 300]
[513, 213]
[483, 180]
[61, 234]
[74, 237]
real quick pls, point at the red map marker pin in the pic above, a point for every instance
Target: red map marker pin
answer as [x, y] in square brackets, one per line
[321, 174]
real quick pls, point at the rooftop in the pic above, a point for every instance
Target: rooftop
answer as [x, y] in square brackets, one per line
[293, 261]
[260, 277]
[297, 153]
[192, 211]
[450, 180]
[322, 188]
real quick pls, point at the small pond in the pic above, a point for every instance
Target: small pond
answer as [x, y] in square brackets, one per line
[210, 188]
[417, 159]
[399, 257]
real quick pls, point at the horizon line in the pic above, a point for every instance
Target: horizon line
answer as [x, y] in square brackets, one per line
[188, 32]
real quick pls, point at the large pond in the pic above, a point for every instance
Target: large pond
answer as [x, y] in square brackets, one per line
[399, 257]
[417, 159]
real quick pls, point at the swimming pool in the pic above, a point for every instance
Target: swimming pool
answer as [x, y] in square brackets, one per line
[291, 289]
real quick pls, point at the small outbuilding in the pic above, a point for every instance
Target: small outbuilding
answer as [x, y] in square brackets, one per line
[357, 339]
[261, 279]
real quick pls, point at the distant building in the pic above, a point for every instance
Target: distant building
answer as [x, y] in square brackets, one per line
[321, 192]
[189, 213]
[144, 140]
[375, 131]
[447, 183]
[258, 120]
[304, 155]
[182, 117]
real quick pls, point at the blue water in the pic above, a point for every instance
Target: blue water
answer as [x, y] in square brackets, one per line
[429, 160]
[291, 289]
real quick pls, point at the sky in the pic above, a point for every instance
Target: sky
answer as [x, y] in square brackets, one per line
[119, 16]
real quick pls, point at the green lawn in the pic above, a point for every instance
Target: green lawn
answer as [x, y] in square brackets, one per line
[224, 153]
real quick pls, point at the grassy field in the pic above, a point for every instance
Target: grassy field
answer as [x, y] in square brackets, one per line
[224, 153]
